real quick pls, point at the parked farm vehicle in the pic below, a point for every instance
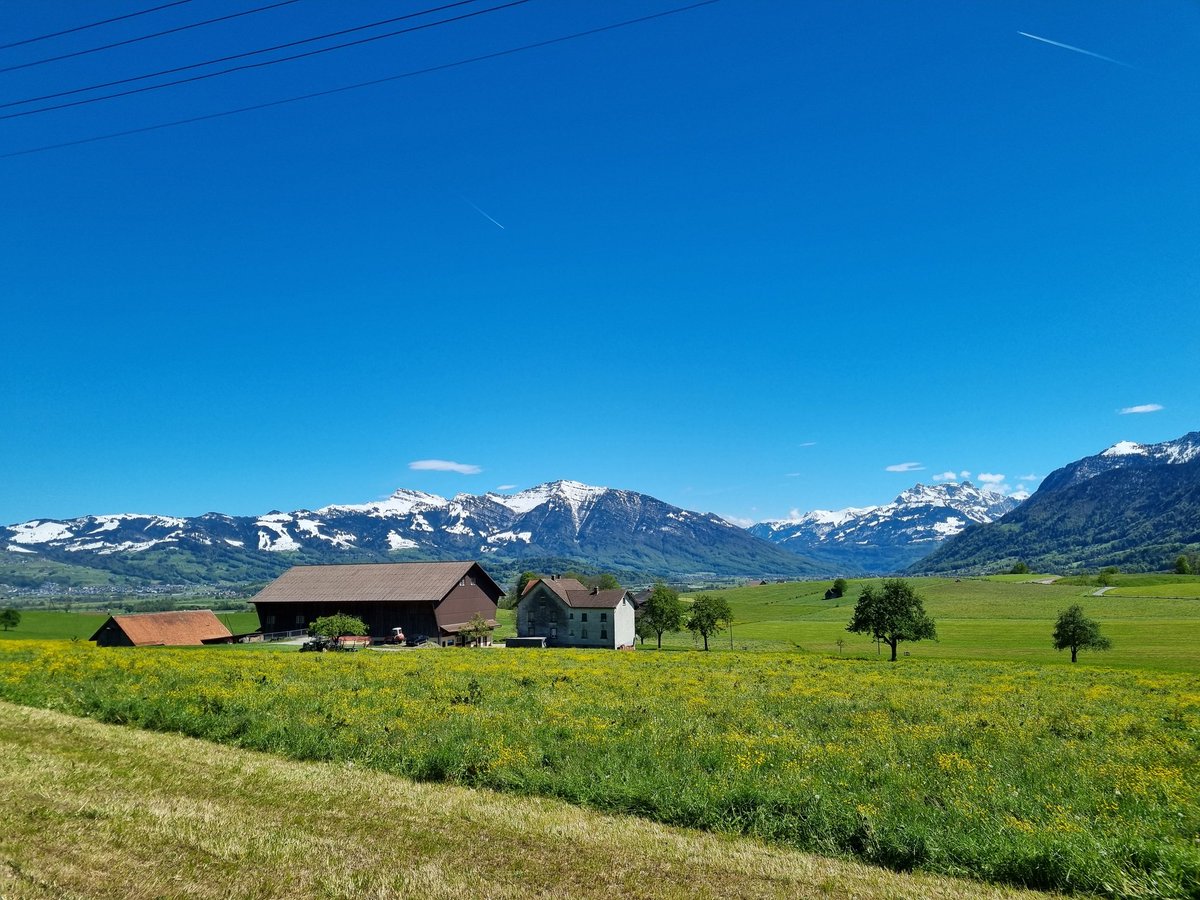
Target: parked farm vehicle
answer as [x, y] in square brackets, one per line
[345, 642]
[396, 637]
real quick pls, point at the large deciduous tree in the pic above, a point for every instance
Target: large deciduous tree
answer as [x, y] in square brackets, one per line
[891, 614]
[709, 615]
[662, 611]
[1076, 632]
[337, 625]
[9, 618]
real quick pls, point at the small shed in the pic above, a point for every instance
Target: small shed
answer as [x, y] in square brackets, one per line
[180, 628]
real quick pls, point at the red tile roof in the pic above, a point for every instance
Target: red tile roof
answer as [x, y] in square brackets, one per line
[172, 629]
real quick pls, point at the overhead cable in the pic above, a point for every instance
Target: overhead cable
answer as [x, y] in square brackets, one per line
[243, 55]
[147, 37]
[362, 84]
[54, 34]
[267, 62]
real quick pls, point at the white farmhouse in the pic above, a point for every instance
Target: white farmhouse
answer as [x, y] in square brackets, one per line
[568, 614]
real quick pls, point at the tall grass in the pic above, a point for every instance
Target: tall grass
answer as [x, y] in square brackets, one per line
[1073, 779]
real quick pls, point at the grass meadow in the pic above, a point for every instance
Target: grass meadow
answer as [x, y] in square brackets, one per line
[1059, 777]
[95, 810]
[1006, 618]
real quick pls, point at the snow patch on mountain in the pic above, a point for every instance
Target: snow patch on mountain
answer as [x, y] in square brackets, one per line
[896, 533]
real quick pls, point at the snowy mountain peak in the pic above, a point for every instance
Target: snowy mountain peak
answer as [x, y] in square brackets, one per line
[1124, 455]
[889, 537]
[574, 493]
[1125, 448]
[401, 503]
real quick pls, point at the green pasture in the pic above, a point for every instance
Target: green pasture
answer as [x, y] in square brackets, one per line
[55, 625]
[976, 619]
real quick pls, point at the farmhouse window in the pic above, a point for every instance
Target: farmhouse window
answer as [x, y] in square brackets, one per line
[572, 615]
[300, 619]
[603, 617]
[583, 634]
[269, 620]
[603, 634]
[583, 616]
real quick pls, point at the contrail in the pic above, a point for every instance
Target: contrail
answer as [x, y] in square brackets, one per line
[1076, 49]
[481, 212]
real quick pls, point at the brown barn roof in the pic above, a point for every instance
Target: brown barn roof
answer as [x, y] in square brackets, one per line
[558, 585]
[577, 596]
[595, 599]
[173, 629]
[374, 582]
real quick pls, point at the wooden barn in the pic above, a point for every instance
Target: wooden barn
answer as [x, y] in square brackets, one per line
[435, 599]
[181, 628]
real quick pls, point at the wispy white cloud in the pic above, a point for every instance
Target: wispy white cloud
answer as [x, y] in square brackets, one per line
[506, 487]
[905, 467]
[964, 474]
[1029, 478]
[1144, 408]
[809, 444]
[1020, 493]
[791, 474]
[1034, 37]
[991, 478]
[443, 465]
[946, 476]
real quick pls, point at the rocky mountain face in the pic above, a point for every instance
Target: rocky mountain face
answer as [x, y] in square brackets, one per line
[888, 538]
[560, 524]
[1134, 506]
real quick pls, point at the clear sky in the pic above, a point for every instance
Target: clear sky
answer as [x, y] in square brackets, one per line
[751, 258]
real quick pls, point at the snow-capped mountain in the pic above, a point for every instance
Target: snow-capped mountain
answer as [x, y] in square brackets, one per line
[1135, 506]
[887, 538]
[1125, 455]
[562, 521]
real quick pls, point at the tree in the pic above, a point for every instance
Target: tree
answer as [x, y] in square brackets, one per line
[893, 614]
[477, 630]
[523, 582]
[662, 611]
[337, 625]
[1076, 631]
[9, 618]
[839, 587]
[1183, 566]
[709, 615]
[1019, 569]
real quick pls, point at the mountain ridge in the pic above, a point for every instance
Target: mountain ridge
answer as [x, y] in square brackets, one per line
[594, 527]
[1134, 506]
[887, 538]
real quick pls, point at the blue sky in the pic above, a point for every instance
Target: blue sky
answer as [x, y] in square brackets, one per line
[752, 258]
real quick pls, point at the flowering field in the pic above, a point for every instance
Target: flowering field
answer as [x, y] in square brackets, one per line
[1078, 779]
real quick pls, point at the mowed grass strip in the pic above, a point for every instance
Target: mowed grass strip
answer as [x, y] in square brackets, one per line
[94, 810]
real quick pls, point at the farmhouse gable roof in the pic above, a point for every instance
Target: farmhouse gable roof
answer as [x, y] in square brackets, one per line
[415, 582]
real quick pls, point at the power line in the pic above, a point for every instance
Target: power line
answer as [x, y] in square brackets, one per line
[132, 15]
[362, 84]
[270, 61]
[248, 53]
[147, 37]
